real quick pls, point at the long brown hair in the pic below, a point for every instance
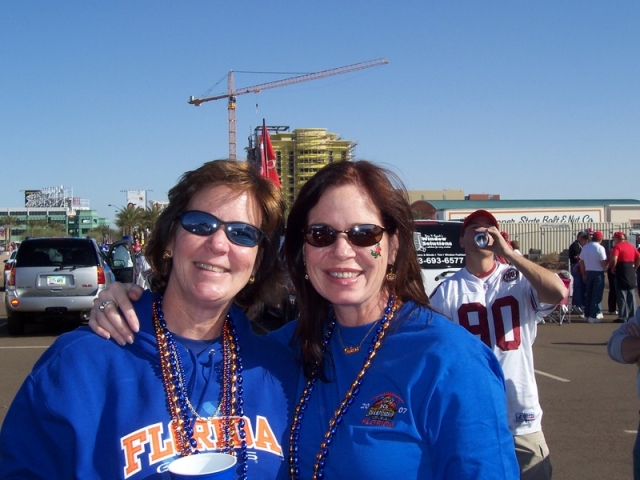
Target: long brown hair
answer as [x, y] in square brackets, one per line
[388, 196]
[241, 177]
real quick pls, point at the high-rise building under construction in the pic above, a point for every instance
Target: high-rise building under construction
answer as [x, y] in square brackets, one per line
[300, 154]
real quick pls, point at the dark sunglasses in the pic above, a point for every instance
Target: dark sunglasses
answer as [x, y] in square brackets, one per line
[204, 224]
[359, 235]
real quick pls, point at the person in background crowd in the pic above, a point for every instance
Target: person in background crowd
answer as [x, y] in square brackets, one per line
[579, 286]
[593, 263]
[624, 347]
[612, 296]
[143, 269]
[515, 244]
[505, 235]
[500, 258]
[623, 263]
[502, 305]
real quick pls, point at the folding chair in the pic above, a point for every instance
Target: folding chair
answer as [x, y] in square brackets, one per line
[562, 312]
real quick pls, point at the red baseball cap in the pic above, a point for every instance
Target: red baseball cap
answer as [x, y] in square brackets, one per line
[619, 235]
[479, 214]
[598, 235]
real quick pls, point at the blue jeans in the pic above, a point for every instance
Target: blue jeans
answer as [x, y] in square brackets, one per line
[577, 300]
[593, 297]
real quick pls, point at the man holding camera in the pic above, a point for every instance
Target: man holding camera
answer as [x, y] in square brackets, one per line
[502, 304]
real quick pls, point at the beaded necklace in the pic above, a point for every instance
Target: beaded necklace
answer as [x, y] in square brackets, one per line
[341, 411]
[183, 415]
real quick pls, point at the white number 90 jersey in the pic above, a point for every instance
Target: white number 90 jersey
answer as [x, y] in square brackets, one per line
[502, 310]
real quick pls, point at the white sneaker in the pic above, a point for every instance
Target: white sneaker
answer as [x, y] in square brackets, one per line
[593, 320]
[599, 316]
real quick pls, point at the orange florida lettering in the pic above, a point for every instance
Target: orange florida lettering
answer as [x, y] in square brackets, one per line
[151, 445]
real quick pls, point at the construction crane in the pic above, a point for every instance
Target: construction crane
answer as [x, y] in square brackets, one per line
[232, 93]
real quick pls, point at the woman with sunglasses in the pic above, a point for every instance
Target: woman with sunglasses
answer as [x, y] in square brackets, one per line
[389, 388]
[197, 378]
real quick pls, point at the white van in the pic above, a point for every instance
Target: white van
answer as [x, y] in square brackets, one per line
[440, 255]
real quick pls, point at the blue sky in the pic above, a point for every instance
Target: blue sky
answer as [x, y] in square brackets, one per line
[528, 100]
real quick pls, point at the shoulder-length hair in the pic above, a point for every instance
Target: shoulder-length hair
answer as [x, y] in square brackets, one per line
[241, 177]
[388, 197]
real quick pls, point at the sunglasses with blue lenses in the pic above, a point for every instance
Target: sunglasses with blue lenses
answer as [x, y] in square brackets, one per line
[359, 235]
[204, 224]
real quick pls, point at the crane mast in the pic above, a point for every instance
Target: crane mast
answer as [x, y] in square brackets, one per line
[232, 93]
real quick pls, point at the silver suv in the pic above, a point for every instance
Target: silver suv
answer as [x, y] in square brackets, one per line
[54, 278]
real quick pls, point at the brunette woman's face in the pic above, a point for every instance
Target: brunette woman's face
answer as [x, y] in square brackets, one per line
[343, 273]
[210, 271]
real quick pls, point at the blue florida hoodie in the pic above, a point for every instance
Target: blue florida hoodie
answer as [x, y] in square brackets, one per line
[93, 409]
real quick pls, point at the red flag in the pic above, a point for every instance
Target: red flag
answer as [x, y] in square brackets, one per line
[268, 161]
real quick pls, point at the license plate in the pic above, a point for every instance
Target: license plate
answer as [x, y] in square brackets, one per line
[56, 280]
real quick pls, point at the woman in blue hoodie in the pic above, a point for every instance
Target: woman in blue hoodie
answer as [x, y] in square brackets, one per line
[196, 379]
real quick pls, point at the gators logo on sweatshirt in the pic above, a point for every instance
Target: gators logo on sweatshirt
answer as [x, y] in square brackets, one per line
[383, 409]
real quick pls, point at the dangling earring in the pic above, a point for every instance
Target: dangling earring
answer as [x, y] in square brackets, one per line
[306, 275]
[166, 255]
[251, 279]
[391, 276]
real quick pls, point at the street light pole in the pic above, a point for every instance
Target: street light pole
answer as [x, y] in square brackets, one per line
[119, 210]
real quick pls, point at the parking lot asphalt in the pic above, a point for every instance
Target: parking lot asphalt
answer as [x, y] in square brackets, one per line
[589, 402]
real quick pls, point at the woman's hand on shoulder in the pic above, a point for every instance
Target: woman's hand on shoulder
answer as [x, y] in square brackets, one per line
[113, 316]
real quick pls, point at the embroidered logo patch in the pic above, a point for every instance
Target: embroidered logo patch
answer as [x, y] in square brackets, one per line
[525, 417]
[382, 411]
[510, 275]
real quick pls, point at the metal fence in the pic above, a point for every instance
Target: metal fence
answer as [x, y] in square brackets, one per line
[555, 238]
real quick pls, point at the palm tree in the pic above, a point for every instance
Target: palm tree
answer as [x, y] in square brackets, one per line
[103, 233]
[149, 218]
[36, 228]
[128, 219]
[9, 222]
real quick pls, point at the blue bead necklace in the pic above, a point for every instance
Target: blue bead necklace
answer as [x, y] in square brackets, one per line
[341, 411]
[183, 415]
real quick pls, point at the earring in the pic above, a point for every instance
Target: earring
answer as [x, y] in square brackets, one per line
[306, 275]
[251, 279]
[167, 255]
[391, 276]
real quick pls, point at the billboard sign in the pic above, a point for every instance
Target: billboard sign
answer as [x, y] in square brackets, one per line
[137, 199]
[555, 216]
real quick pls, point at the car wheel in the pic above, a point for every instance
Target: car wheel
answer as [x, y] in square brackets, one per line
[15, 324]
